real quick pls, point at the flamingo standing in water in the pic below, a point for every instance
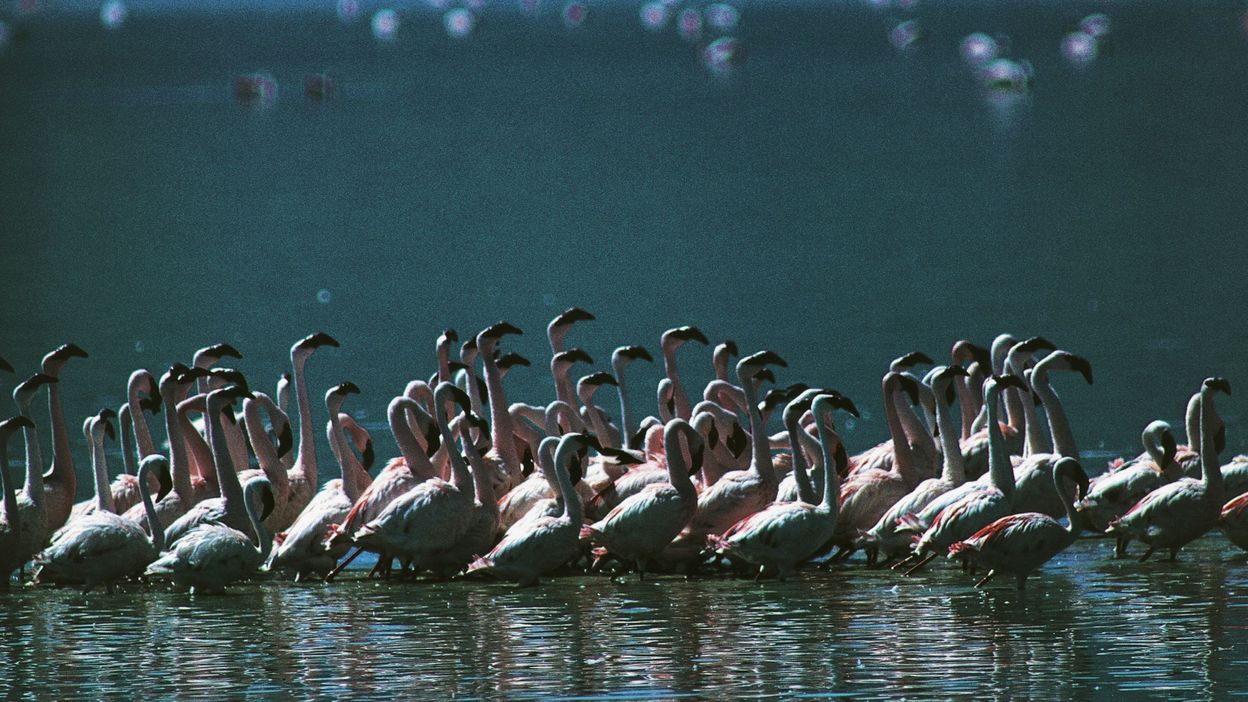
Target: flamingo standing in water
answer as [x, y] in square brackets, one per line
[31, 499]
[536, 547]
[644, 524]
[60, 484]
[1110, 495]
[980, 507]
[787, 533]
[214, 555]
[1175, 514]
[10, 521]
[884, 536]
[102, 547]
[302, 548]
[1021, 543]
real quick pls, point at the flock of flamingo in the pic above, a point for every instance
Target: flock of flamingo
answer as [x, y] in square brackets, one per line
[534, 490]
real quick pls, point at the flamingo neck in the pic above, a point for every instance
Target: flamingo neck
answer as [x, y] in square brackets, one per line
[759, 442]
[153, 519]
[142, 432]
[413, 453]
[626, 416]
[99, 468]
[1208, 452]
[62, 459]
[966, 404]
[805, 489]
[7, 486]
[831, 479]
[1059, 427]
[684, 409]
[263, 543]
[34, 458]
[1000, 472]
[200, 455]
[677, 469]
[179, 468]
[502, 433]
[572, 509]
[261, 444]
[954, 469]
[305, 459]
[227, 477]
[1073, 520]
[129, 450]
[903, 452]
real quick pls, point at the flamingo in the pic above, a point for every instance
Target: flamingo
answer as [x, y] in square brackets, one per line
[502, 462]
[539, 546]
[620, 360]
[672, 340]
[1110, 495]
[884, 536]
[1020, 543]
[797, 486]
[431, 516]
[206, 358]
[399, 476]
[212, 556]
[31, 500]
[556, 331]
[302, 476]
[229, 509]
[136, 438]
[645, 523]
[594, 415]
[1179, 512]
[978, 507]
[173, 385]
[1034, 475]
[10, 521]
[740, 493]
[302, 548]
[479, 534]
[722, 357]
[787, 533]
[969, 396]
[867, 495]
[60, 483]
[269, 455]
[103, 547]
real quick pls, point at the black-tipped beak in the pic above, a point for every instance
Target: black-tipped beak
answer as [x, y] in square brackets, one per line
[16, 422]
[689, 334]
[68, 351]
[1039, 343]
[456, 395]
[571, 316]
[910, 386]
[763, 358]
[913, 359]
[1084, 367]
[448, 335]
[842, 402]
[285, 440]
[765, 374]
[165, 480]
[574, 356]
[347, 388]
[1219, 384]
[634, 353]
[499, 330]
[1009, 381]
[512, 359]
[600, 378]
[108, 426]
[730, 347]
[433, 441]
[316, 341]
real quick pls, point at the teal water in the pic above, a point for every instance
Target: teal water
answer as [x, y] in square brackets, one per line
[833, 200]
[1087, 628]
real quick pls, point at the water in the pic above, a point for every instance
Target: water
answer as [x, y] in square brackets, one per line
[1087, 628]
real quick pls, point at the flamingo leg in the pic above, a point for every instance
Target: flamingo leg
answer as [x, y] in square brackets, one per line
[1147, 553]
[926, 559]
[1174, 555]
[984, 580]
[329, 577]
[901, 565]
[1120, 548]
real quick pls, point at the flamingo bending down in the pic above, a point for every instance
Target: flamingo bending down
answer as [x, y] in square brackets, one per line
[214, 555]
[1111, 494]
[547, 542]
[787, 533]
[10, 520]
[1021, 543]
[102, 547]
[645, 523]
[1179, 512]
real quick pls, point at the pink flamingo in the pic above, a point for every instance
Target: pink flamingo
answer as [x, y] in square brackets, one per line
[502, 462]
[1111, 494]
[645, 523]
[547, 542]
[60, 484]
[672, 340]
[1179, 512]
[479, 534]
[787, 533]
[1020, 543]
[302, 476]
[621, 358]
[979, 507]
[11, 557]
[31, 499]
[1035, 473]
[136, 437]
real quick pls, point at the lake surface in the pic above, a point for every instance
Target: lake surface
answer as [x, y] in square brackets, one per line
[1088, 627]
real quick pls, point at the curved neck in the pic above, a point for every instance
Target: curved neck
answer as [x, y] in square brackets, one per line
[482, 484]
[684, 409]
[1073, 520]
[34, 457]
[564, 455]
[1192, 422]
[677, 469]
[62, 459]
[348, 467]
[561, 372]
[903, 453]
[1063, 438]
[502, 433]
[305, 459]
[1001, 473]
[227, 477]
[263, 542]
[179, 467]
[99, 468]
[261, 444]
[459, 470]
[153, 519]
[199, 453]
[761, 462]
[142, 432]
[954, 469]
[1208, 452]
[805, 489]
[413, 453]
[828, 441]
[626, 416]
[130, 464]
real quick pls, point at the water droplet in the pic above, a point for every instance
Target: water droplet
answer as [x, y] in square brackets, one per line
[653, 16]
[139, 346]
[348, 10]
[323, 296]
[459, 23]
[574, 14]
[722, 16]
[385, 24]
[1079, 48]
[113, 14]
[978, 49]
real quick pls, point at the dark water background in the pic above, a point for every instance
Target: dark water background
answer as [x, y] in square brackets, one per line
[833, 200]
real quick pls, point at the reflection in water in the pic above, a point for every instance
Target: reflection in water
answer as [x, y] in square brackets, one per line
[1089, 627]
